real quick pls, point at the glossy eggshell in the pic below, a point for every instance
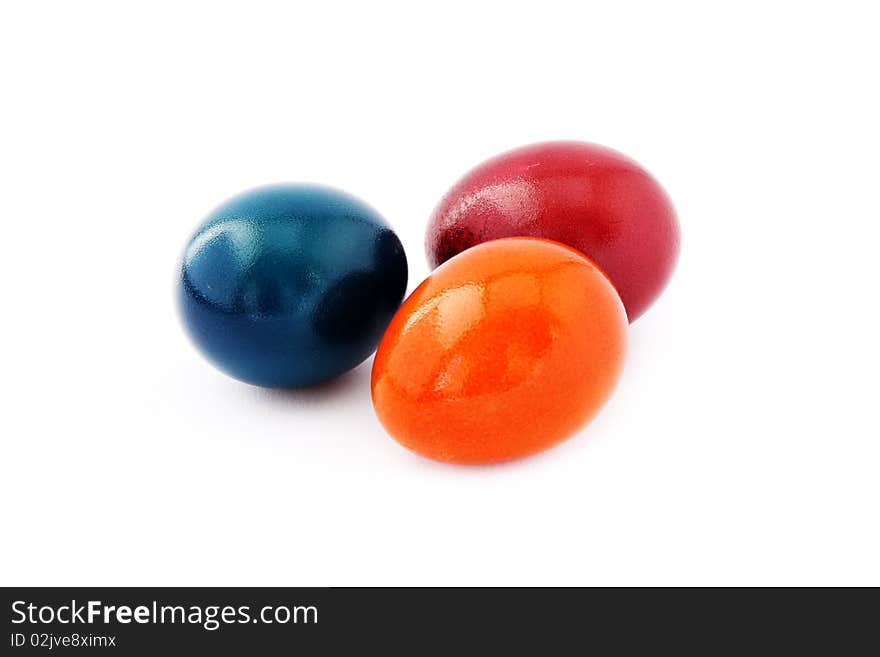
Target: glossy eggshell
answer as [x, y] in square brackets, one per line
[587, 196]
[290, 285]
[503, 351]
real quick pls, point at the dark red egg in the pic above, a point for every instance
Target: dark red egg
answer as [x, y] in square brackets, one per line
[584, 195]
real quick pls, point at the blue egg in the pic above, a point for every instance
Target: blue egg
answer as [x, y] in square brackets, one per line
[290, 285]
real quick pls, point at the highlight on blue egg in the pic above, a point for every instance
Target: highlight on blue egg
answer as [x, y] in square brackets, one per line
[290, 285]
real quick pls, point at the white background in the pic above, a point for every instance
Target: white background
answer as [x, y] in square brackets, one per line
[741, 446]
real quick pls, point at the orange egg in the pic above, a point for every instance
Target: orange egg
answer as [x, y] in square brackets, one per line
[506, 349]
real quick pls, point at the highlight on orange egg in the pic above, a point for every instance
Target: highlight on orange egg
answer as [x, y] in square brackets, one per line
[503, 351]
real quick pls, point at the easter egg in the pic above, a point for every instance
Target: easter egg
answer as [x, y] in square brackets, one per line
[587, 196]
[503, 351]
[290, 285]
